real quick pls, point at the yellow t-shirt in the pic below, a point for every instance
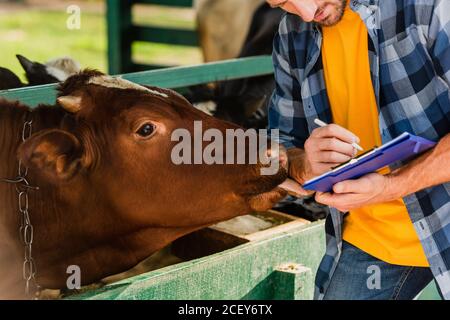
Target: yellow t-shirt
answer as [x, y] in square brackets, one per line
[384, 230]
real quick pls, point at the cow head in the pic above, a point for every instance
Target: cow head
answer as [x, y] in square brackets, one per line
[119, 138]
[53, 71]
[111, 163]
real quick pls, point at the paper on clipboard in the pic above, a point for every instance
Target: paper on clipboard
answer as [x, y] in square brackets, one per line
[401, 148]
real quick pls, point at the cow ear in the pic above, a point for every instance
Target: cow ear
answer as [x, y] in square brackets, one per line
[53, 154]
[26, 64]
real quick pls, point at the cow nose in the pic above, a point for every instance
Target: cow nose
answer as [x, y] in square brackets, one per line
[278, 153]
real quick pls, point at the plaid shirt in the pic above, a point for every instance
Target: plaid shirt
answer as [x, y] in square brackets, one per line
[409, 53]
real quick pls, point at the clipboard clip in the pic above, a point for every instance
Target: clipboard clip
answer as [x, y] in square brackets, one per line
[417, 147]
[351, 161]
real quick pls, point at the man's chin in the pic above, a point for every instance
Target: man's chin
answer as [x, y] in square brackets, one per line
[331, 18]
[329, 21]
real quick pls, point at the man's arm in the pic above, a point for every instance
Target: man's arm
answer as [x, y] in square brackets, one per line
[308, 154]
[285, 107]
[429, 169]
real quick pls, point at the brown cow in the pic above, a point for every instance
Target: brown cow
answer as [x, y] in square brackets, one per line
[109, 194]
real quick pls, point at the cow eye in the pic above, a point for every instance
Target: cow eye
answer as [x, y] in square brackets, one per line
[146, 130]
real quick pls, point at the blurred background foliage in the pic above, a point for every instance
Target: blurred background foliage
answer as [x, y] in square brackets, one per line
[37, 30]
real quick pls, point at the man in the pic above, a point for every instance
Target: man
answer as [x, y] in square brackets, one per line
[374, 69]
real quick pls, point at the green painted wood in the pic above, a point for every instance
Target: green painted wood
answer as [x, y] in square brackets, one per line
[181, 37]
[177, 77]
[243, 272]
[32, 96]
[119, 22]
[297, 284]
[172, 3]
[430, 293]
[122, 33]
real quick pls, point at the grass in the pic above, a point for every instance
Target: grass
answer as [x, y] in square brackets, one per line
[41, 35]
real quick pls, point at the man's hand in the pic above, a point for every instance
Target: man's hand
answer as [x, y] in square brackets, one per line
[326, 148]
[296, 169]
[353, 194]
[423, 172]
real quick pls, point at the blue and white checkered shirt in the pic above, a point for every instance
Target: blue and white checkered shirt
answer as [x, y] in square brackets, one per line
[409, 52]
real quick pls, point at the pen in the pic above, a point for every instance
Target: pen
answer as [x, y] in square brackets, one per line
[323, 124]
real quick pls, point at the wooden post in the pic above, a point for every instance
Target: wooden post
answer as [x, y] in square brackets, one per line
[429, 293]
[293, 281]
[118, 14]
[122, 33]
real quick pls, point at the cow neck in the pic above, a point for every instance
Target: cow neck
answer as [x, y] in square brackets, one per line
[13, 116]
[12, 119]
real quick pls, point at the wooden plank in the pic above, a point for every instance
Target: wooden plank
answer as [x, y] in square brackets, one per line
[183, 76]
[177, 77]
[269, 218]
[171, 3]
[182, 37]
[287, 223]
[283, 228]
[118, 16]
[32, 96]
[430, 293]
[243, 272]
[293, 282]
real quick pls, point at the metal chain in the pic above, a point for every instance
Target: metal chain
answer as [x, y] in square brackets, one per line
[26, 231]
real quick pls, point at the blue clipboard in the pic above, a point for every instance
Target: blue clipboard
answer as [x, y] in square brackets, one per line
[401, 148]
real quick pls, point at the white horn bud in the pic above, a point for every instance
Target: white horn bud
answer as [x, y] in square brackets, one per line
[71, 104]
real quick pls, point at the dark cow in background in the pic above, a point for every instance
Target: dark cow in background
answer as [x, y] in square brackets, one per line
[109, 194]
[8, 80]
[244, 101]
[223, 25]
[53, 71]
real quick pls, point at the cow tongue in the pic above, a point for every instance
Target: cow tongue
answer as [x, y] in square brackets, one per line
[293, 188]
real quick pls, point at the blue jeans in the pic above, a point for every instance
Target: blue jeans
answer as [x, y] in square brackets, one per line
[360, 276]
